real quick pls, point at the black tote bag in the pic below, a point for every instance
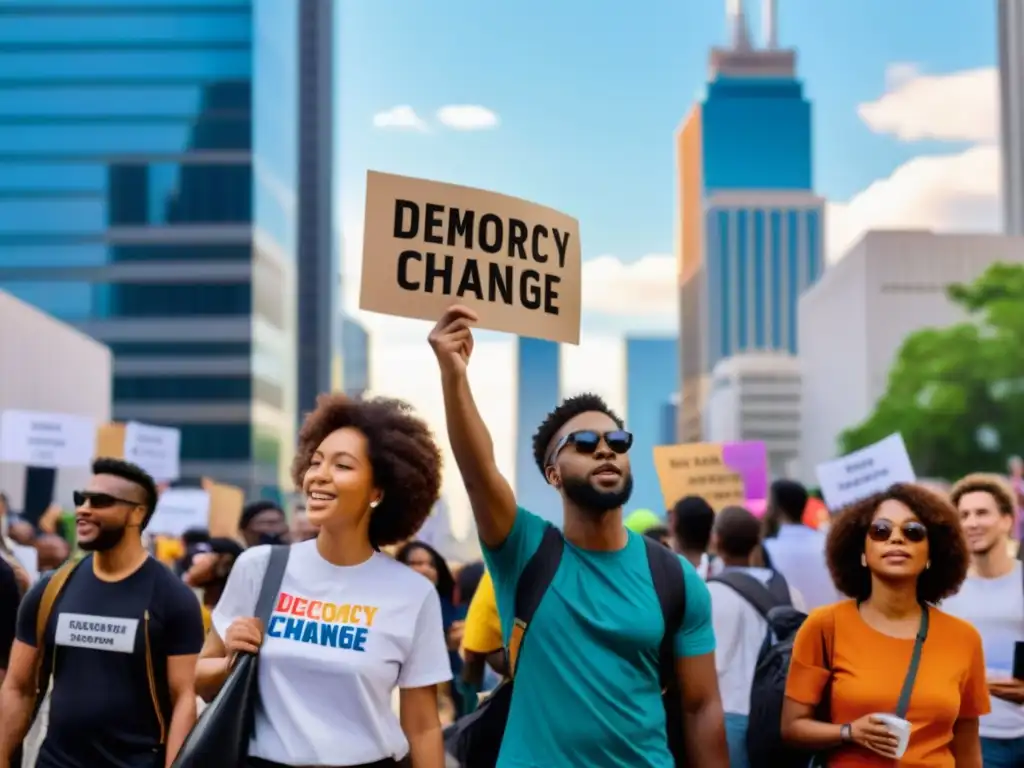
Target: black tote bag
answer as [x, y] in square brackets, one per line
[221, 735]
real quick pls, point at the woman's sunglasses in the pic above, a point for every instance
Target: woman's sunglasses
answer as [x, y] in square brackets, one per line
[587, 441]
[98, 500]
[913, 531]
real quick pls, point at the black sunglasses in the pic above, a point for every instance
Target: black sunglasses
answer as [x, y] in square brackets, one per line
[587, 441]
[100, 500]
[913, 531]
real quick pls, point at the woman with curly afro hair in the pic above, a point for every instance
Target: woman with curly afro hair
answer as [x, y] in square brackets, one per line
[896, 554]
[350, 624]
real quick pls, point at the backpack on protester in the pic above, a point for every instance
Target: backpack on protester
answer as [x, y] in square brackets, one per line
[221, 735]
[765, 748]
[475, 739]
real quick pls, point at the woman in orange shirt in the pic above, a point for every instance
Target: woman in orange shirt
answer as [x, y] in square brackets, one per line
[896, 553]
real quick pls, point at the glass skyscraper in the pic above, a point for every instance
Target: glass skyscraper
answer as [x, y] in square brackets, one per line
[538, 391]
[750, 229]
[148, 195]
[652, 379]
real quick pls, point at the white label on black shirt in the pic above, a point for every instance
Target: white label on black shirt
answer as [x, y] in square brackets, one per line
[100, 633]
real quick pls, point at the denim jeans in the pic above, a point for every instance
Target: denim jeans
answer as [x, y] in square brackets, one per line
[1002, 753]
[736, 738]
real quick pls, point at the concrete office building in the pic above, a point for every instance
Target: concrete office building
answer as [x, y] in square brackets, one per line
[538, 390]
[1011, 110]
[50, 367]
[652, 378]
[149, 178]
[756, 396]
[854, 321]
[750, 229]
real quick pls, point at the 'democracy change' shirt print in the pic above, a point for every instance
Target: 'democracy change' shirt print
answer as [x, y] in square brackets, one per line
[428, 245]
[339, 640]
[102, 711]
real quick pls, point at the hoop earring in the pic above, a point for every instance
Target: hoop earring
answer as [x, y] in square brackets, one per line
[863, 560]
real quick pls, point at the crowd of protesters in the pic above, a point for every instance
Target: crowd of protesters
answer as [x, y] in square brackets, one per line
[708, 638]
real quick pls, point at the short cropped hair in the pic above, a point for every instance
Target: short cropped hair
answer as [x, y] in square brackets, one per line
[949, 555]
[738, 532]
[993, 485]
[568, 409]
[133, 473]
[403, 454]
[254, 508]
[692, 520]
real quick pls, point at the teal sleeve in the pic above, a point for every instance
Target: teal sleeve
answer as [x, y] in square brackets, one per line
[697, 635]
[506, 562]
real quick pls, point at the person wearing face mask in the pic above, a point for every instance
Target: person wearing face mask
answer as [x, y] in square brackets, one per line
[587, 690]
[120, 643]
[263, 522]
[887, 662]
[350, 624]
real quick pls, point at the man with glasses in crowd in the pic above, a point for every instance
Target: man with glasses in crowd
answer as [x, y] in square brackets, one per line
[587, 688]
[119, 641]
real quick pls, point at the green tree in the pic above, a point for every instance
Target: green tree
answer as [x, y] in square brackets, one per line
[957, 394]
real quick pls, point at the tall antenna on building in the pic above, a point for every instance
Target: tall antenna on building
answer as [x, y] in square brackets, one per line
[770, 23]
[737, 19]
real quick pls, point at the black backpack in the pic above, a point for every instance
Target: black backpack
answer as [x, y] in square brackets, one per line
[765, 748]
[475, 740]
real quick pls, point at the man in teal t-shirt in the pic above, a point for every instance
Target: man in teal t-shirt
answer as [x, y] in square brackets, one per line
[587, 689]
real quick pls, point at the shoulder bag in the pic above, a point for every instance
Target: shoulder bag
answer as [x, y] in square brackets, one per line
[221, 735]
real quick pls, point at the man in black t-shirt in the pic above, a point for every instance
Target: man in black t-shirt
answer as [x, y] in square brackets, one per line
[10, 598]
[120, 642]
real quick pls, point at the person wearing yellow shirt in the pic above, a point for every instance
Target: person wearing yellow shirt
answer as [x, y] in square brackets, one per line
[482, 642]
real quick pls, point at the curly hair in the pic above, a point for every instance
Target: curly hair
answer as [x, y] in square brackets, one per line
[949, 556]
[569, 408]
[981, 482]
[405, 459]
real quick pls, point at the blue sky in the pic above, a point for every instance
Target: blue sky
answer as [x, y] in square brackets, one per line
[589, 99]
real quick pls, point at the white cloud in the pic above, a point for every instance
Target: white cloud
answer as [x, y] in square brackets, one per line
[959, 106]
[402, 117]
[467, 117]
[957, 191]
[647, 286]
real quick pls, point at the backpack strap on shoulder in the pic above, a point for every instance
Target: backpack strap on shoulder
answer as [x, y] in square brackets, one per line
[670, 585]
[759, 596]
[51, 592]
[533, 583]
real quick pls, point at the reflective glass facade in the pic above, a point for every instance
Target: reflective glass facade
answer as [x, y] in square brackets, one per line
[148, 166]
[538, 390]
[652, 378]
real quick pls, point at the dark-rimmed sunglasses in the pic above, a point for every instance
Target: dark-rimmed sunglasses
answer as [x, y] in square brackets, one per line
[100, 500]
[587, 441]
[913, 531]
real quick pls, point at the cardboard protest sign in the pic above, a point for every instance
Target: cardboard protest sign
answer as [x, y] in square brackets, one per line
[724, 474]
[865, 472]
[226, 502]
[428, 245]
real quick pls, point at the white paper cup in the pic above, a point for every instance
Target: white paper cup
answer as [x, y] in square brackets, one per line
[899, 728]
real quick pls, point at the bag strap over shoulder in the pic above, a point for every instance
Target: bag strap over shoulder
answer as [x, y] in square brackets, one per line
[271, 585]
[669, 582]
[51, 592]
[533, 582]
[915, 662]
[758, 595]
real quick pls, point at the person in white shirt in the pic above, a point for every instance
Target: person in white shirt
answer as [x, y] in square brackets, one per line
[797, 551]
[992, 599]
[350, 624]
[740, 628]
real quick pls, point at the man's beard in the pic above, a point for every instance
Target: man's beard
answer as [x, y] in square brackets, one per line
[105, 540]
[581, 492]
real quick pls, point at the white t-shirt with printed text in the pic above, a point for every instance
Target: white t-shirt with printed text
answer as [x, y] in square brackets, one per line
[340, 640]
